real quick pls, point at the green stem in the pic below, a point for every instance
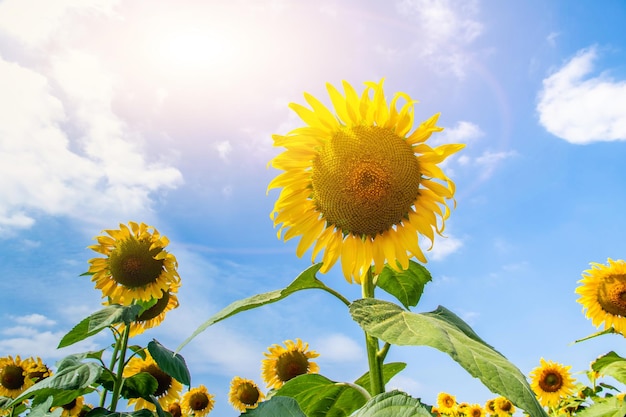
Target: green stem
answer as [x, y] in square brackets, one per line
[336, 294]
[119, 379]
[359, 388]
[116, 349]
[377, 384]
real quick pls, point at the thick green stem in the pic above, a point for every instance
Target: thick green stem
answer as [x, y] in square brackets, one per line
[116, 349]
[377, 384]
[119, 378]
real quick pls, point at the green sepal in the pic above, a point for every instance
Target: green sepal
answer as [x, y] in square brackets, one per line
[445, 331]
[171, 363]
[394, 403]
[407, 285]
[276, 406]
[389, 371]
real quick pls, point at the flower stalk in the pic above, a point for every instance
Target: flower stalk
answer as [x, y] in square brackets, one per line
[119, 380]
[374, 359]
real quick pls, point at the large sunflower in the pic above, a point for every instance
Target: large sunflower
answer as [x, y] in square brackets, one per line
[359, 185]
[603, 294]
[136, 266]
[285, 363]
[197, 402]
[244, 394]
[551, 381]
[14, 375]
[168, 388]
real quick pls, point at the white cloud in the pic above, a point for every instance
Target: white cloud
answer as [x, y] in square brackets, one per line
[462, 132]
[34, 320]
[489, 161]
[339, 348]
[583, 110]
[443, 247]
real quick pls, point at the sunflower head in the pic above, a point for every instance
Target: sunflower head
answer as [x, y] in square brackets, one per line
[14, 375]
[474, 410]
[37, 370]
[551, 382]
[490, 406]
[244, 394]
[503, 407]
[135, 266]
[446, 403]
[284, 363]
[360, 184]
[198, 402]
[175, 409]
[168, 388]
[74, 408]
[603, 295]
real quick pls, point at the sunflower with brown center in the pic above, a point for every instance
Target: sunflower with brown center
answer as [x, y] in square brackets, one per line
[37, 370]
[474, 410]
[244, 394]
[603, 294]
[551, 382]
[14, 375]
[168, 388]
[175, 409]
[73, 408]
[136, 265]
[197, 402]
[503, 407]
[285, 363]
[360, 185]
[446, 403]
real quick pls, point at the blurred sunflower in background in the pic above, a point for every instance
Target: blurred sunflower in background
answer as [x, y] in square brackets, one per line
[446, 403]
[503, 407]
[168, 388]
[136, 265]
[474, 410]
[551, 382]
[359, 184]
[603, 294]
[285, 363]
[197, 402]
[72, 409]
[14, 375]
[244, 394]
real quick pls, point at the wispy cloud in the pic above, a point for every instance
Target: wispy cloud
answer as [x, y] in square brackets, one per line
[462, 132]
[486, 163]
[34, 320]
[340, 348]
[583, 110]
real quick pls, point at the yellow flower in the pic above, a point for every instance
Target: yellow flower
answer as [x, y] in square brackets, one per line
[503, 407]
[283, 364]
[474, 410]
[198, 402]
[244, 394]
[359, 185]
[175, 409]
[136, 266]
[603, 294]
[73, 408]
[14, 375]
[37, 370]
[446, 403]
[490, 407]
[551, 381]
[168, 388]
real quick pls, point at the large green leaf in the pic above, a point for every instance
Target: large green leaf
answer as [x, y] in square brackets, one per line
[389, 371]
[318, 396]
[605, 407]
[611, 364]
[171, 363]
[407, 286]
[276, 406]
[443, 330]
[43, 410]
[393, 404]
[98, 321]
[306, 280]
[140, 385]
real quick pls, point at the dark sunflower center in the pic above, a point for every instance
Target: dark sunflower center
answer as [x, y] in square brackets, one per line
[476, 412]
[365, 180]
[551, 382]
[198, 401]
[156, 309]
[132, 264]
[506, 406]
[248, 394]
[448, 402]
[12, 377]
[291, 364]
[175, 410]
[612, 295]
[70, 405]
[164, 380]
[38, 375]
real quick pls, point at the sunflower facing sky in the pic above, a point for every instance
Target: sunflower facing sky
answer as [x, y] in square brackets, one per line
[168, 389]
[244, 394]
[197, 402]
[551, 381]
[285, 363]
[135, 267]
[359, 185]
[603, 294]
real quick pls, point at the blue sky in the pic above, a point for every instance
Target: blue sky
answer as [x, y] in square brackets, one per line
[163, 112]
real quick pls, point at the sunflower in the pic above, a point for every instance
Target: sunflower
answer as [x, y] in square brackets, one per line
[283, 364]
[446, 403]
[359, 184]
[198, 402]
[37, 370]
[175, 409]
[503, 407]
[244, 394]
[73, 408]
[603, 294]
[474, 410]
[14, 375]
[136, 266]
[490, 407]
[551, 381]
[168, 388]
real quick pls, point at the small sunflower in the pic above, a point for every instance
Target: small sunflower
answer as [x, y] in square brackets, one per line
[551, 381]
[446, 403]
[474, 410]
[168, 388]
[490, 407]
[244, 394]
[175, 409]
[359, 185]
[603, 294]
[73, 408]
[197, 402]
[503, 407]
[14, 375]
[37, 370]
[136, 266]
[283, 364]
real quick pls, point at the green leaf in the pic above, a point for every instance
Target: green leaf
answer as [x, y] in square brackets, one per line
[611, 364]
[171, 363]
[389, 371]
[306, 280]
[276, 406]
[443, 330]
[394, 404]
[604, 407]
[318, 396]
[43, 410]
[407, 286]
[98, 321]
[103, 412]
[610, 330]
[140, 385]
